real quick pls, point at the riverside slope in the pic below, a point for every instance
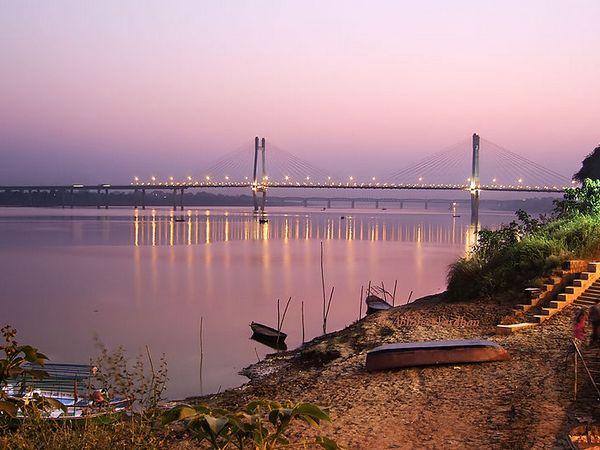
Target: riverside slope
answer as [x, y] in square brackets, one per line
[526, 402]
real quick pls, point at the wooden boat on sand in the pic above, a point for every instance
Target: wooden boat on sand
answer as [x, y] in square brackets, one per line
[375, 304]
[394, 356]
[265, 333]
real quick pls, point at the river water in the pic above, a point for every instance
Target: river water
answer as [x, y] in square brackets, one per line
[137, 278]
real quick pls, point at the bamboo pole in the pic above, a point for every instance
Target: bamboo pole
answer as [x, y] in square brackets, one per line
[201, 353]
[323, 286]
[575, 385]
[394, 294]
[586, 369]
[369, 289]
[327, 311]
[360, 302]
[256, 353]
[409, 296]
[384, 293]
[302, 314]
[278, 318]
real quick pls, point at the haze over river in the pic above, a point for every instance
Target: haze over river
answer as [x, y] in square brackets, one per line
[141, 278]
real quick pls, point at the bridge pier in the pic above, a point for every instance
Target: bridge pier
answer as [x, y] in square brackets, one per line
[328, 203]
[426, 204]
[72, 197]
[98, 198]
[181, 199]
[174, 199]
[143, 199]
[376, 204]
[305, 203]
[401, 205]
[106, 198]
[352, 204]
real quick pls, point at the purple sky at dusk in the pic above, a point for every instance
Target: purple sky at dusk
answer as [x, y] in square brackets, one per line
[101, 91]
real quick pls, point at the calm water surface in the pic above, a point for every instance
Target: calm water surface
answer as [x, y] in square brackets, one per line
[142, 278]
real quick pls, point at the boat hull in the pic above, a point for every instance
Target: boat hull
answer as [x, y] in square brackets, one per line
[397, 356]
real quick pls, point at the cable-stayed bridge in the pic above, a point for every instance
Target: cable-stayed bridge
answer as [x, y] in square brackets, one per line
[472, 165]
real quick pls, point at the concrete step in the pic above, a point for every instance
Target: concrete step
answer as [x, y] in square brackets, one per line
[549, 311]
[592, 298]
[558, 304]
[523, 307]
[540, 318]
[583, 303]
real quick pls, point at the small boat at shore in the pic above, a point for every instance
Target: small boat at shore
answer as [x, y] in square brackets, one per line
[376, 304]
[267, 334]
[411, 354]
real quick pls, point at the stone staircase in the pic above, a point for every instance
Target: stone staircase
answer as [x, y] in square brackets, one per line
[590, 297]
[578, 283]
[585, 286]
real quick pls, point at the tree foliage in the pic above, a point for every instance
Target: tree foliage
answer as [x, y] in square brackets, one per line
[590, 167]
[261, 425]
[584, 200]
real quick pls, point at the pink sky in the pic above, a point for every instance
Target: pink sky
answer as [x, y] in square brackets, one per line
[95, 91]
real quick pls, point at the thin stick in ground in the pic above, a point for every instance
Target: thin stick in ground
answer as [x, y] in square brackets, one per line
[360, 303]
[384, 293]
[327, 310]
[394, 294]
[302, 316]
[323, 286]
[280, 324]
[409, 296]
[201, 352]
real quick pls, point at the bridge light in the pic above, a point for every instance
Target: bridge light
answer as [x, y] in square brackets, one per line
[373, 178]
[329, 178]
[573, 181]
[520, 180]
[136, 179]
[493, 180]
[153, 178]
[351, 178]
[420, 178]
[287, 178]
[308, 178]
[189, 178]
[207, 178]
[171, 179]
[226, 177]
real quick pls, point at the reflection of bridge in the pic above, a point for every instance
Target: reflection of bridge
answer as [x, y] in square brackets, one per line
[499, 170]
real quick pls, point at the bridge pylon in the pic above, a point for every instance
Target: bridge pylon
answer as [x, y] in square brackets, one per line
[474, 182]
[259, 186]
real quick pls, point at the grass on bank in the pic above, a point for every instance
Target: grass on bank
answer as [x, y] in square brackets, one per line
[525, 251]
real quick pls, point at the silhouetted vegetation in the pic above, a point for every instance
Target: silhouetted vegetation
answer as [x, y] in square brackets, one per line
[590, 166]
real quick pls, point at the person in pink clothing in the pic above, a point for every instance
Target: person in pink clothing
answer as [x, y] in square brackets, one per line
[579, 324]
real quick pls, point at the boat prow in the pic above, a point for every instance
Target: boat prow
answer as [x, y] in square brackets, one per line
[375, 304]
[266, 333]
[411, 354]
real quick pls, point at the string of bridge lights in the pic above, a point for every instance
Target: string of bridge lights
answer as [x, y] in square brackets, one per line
[288, 181]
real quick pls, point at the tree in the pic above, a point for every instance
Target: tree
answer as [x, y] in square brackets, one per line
[590, 167]
[584, 200]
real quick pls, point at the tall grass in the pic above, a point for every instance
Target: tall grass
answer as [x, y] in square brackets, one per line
[516, 264]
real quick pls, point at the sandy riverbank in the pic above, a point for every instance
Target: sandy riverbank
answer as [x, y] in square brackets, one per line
[526, 402]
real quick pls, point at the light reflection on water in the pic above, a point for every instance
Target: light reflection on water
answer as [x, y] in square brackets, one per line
[203, 228]
[146, 279]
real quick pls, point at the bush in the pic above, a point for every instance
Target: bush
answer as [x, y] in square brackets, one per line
[512, 257]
